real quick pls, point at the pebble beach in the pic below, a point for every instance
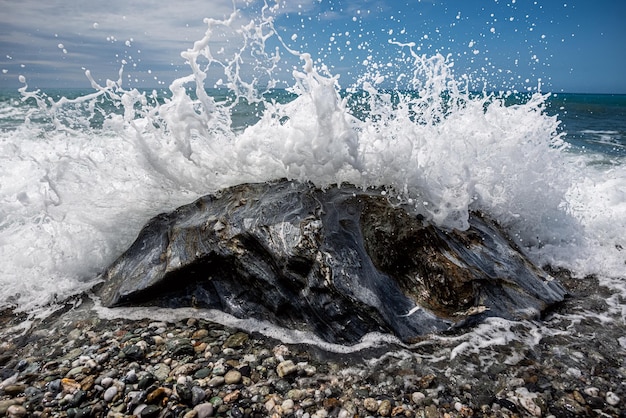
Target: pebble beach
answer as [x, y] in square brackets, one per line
[76, 364]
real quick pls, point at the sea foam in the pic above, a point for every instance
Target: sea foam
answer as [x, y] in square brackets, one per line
[80, 176]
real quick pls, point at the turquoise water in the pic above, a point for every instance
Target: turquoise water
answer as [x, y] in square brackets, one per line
[592, 123]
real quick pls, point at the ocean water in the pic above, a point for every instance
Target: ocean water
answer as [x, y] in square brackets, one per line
[81, 171]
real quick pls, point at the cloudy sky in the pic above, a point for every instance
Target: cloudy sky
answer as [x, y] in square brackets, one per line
[570, 45]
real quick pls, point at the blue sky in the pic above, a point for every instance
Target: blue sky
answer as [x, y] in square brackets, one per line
[570, 45]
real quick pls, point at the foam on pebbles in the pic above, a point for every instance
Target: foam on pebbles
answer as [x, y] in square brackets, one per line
[196, 369]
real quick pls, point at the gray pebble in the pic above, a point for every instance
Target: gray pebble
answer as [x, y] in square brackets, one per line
[161, 371]
[216, 381]
[110, 393]
[197, 395]
[204, 410]
[106, 382]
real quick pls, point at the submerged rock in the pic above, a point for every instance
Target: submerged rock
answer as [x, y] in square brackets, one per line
[340, 262]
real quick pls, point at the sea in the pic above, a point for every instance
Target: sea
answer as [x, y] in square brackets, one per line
[82, 170]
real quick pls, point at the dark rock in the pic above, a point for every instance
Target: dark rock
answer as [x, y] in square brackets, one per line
[78, 398]
[146, 381]
[150, 411]
[202, 373]
[54, 386]
[340, 262]
[133, 352]
[180, 347]
[197, 395]
[236, 340]
[184, 392]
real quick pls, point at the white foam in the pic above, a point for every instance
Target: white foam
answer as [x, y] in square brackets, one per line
[250, 325]
[72, 198]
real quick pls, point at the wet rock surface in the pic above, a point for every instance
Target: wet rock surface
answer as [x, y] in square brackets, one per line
[340, 262]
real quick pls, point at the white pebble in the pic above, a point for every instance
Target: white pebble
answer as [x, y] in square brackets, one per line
[249, 358]
[612, 399]
[515, 382]
[287, 406]
[320, 413]
[270, 404]
[110, 393]
[106, 382]
[308, 369]
[418, 398]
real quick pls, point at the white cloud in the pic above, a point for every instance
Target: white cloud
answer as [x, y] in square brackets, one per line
[148, 35]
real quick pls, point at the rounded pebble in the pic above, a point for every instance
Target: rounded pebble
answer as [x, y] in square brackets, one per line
[370, 404]
[204, 410]
[216, 381]
[612, 399]
[110, 393]
[232, 377]
[384, 410]
[418, 398]
[286, 368]
[287, 406]
[16, 411]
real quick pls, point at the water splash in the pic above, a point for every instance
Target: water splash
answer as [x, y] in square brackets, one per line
[85, 173]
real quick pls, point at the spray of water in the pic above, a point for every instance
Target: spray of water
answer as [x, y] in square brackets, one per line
[91, 170]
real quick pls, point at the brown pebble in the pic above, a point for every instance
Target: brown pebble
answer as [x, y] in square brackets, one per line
[15, 389]
[16, 411]
[233, 363]
[426, 381]
[70, 385]
[87, 383]
[331, 403]
[200, 334]
[532, 379]
[397, 411]
[232, 397]
[5, 404]
[370, 404]
[384, 409]
[200, 347]
[156, 395]
[578, 397]
[236, 340]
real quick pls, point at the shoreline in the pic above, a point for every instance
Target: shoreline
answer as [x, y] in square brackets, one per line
[76, 364]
